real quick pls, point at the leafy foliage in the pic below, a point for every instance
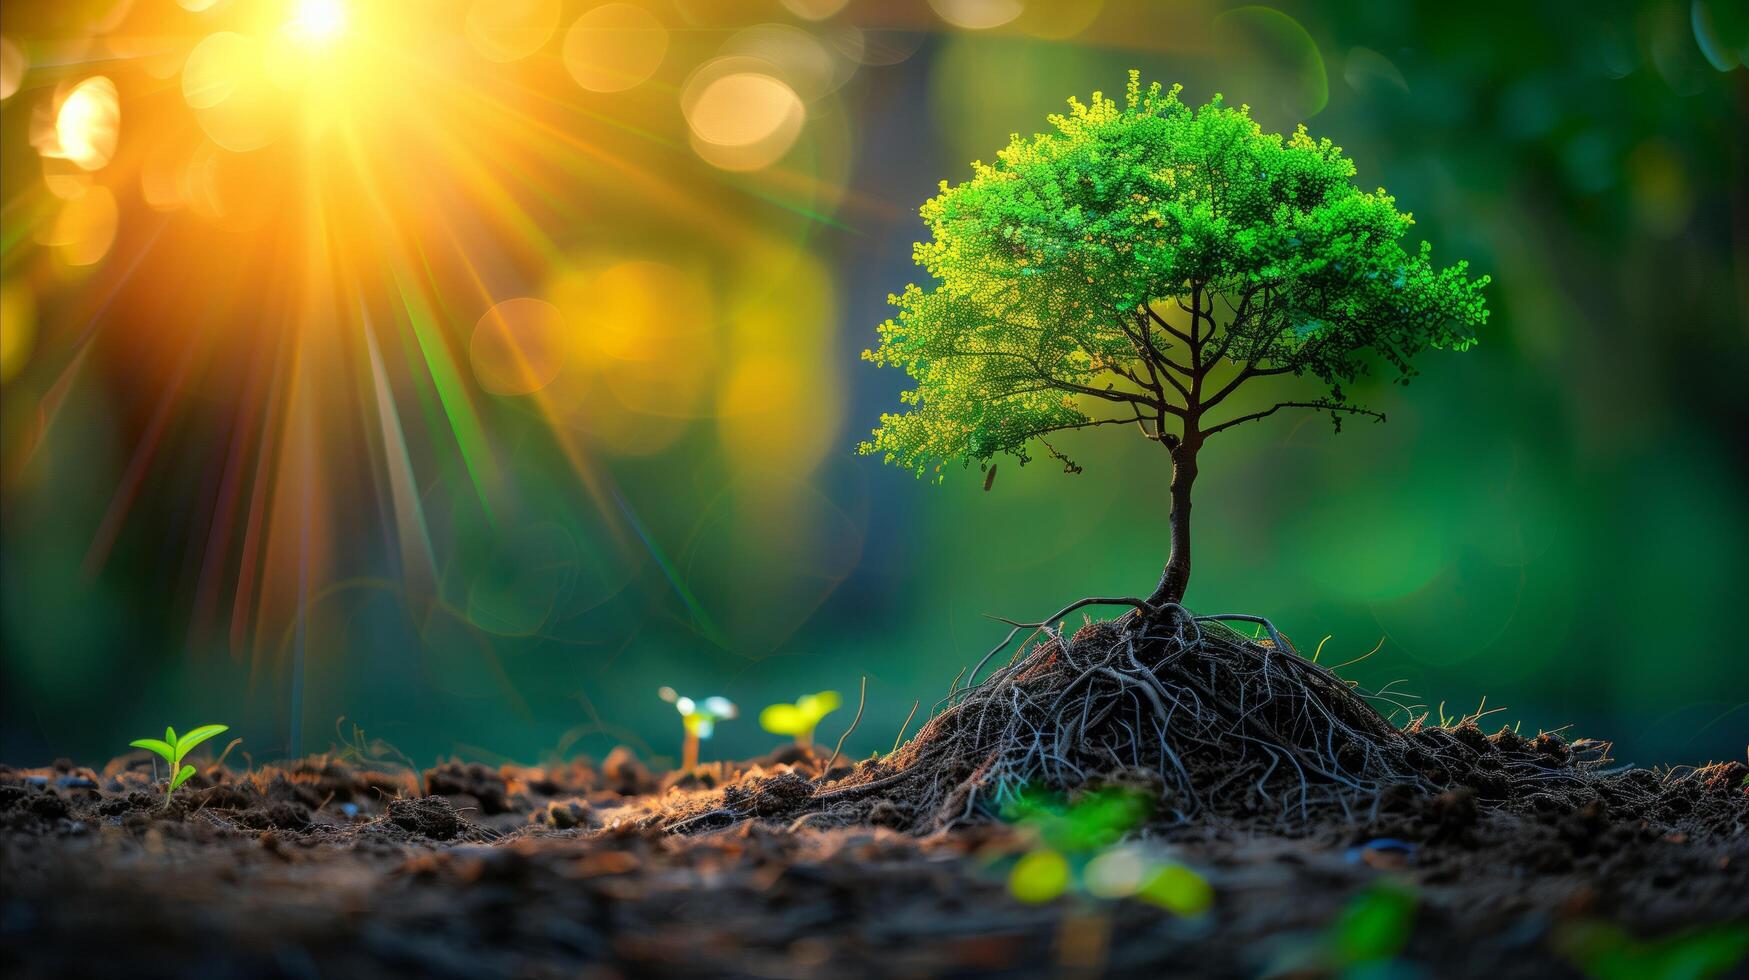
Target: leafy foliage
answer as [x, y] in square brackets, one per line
[174, 749]
[1137, 265]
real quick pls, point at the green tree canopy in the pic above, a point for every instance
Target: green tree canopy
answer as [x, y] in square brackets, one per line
[1137, 266]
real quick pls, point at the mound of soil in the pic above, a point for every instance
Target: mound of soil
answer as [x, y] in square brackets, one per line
[1276, 784]
[1223, 733]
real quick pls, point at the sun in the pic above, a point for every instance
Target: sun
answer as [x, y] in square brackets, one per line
[317, 22]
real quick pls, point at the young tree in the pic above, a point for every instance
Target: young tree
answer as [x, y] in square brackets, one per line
[1140, 266]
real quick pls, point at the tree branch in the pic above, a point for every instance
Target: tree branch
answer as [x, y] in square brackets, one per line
[1249, 371]
[1324, 404]
[1153, 355]
[1169, 328]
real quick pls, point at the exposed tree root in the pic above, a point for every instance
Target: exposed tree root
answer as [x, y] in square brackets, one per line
[1219, 727]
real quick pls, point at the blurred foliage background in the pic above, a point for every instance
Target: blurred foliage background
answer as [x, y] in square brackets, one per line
[481, 420]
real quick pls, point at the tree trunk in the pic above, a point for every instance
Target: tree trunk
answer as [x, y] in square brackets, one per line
[1177, 573]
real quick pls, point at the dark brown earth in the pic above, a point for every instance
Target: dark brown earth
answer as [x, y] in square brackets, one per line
[322, 869]
[1273, 782]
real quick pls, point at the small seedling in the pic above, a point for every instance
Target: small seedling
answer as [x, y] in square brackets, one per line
[700, 719]
[1079, 844]
[174, 750]
[800, 719]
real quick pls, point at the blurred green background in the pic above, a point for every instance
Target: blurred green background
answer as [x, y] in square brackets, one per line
[1555, 521]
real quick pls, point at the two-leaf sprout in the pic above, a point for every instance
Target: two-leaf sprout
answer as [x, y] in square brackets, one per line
[174, 750]
[700, 719]
[800, 719]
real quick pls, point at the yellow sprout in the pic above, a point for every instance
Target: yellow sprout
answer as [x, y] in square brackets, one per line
[799, 720]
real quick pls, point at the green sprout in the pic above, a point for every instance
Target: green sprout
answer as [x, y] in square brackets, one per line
[700, 720]
[1079, 844]
[800, 719]
[174, 750]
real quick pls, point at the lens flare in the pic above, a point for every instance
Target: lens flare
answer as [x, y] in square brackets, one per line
[317, 22]
[86, 125]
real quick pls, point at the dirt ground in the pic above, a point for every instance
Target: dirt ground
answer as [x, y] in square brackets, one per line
[338, 866]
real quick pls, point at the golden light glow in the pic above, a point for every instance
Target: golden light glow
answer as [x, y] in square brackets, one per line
[236, 101]
[518, 347]
[12, 67]
[978, 15]
[425, 218]
[741, 117]
[510, 30]
[614, 47]
[814, 9]
[17, 327]
[84, 229]
[86, 125]
[317, 22]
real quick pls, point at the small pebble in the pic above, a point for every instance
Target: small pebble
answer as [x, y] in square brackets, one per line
[1381, 852]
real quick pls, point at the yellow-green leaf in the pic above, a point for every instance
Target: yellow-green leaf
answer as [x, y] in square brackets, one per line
[1179, 890]
[153, 745]
[1039, 877]
[180, 778]
[199, 735]
[818, 706]
[784, 719]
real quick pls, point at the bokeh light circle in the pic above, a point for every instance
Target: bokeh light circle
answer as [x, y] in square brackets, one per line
[84, 228]
[227, 81]
[88, 123]
[741, 115]
[1273, 62]
[64, 178]
[519, 586]
[209, 76]
[743, 109]
[510, 30]
[13, 64]
[614, 47]
[979, 15]
[806, 63]
[642, 352]
[518, 346]
[814, 9]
